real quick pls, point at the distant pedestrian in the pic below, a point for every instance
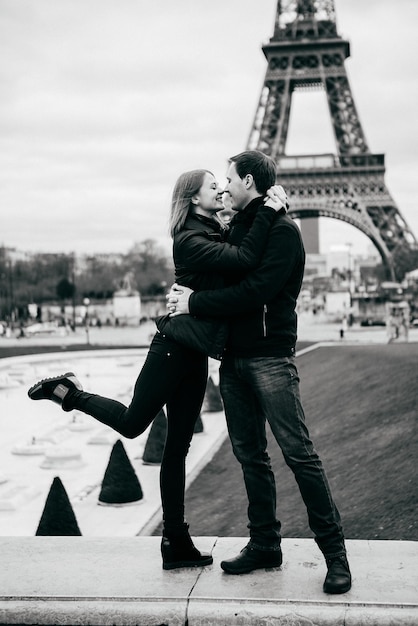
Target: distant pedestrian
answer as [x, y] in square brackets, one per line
[343, 327]
[405, 323]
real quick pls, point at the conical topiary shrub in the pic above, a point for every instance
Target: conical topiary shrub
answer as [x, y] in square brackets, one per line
[198, 427]
[120, 483]
[58, 518]
[154, 447]
[212, 402]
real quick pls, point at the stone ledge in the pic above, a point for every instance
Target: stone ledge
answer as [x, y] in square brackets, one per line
[282, 614]
[120, 581]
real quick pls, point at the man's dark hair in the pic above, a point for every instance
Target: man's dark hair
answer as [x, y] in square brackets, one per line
[262, 168]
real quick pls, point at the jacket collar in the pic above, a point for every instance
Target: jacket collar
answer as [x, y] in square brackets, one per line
[195, 220]
[248, 213]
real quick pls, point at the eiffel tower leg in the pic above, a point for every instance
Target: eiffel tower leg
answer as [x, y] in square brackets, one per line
[347, 128]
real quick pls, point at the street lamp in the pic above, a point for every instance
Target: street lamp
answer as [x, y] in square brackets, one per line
[73, 263]
[86, 303]
[350, 280]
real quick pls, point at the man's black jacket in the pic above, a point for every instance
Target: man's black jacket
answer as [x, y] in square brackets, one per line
[261, 307]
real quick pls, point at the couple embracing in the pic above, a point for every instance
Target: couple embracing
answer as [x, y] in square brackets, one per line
[234, 299]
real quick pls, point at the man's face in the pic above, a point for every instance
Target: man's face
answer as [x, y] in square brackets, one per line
[236, 188]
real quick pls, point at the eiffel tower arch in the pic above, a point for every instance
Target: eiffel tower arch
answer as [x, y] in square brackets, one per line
[306, 52]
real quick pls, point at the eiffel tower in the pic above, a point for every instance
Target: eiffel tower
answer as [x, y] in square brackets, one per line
[306, 52]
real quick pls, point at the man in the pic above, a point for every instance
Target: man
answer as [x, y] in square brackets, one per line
[259, 379]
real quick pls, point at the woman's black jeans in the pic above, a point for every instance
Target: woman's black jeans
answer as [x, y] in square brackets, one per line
[174, 376]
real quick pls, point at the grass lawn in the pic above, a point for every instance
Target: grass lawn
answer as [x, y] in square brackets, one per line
[361, 409]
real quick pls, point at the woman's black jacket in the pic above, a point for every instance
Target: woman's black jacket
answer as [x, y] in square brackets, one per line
[203, 260]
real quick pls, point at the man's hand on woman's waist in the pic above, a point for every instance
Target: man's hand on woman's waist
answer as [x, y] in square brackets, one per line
[178, 300]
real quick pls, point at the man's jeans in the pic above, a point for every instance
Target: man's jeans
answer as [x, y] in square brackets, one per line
[267, 388]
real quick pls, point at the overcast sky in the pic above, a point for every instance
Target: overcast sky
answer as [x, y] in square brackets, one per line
[103, 103]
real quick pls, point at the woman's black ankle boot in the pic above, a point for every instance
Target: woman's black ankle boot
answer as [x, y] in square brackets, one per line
[177, 550]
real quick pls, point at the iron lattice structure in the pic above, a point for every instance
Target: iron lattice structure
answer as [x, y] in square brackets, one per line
[306, 52]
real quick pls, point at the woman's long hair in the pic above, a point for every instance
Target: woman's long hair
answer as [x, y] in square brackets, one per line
[188, 185]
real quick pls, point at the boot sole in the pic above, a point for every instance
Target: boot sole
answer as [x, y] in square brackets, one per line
[178, 564]
[247, 571]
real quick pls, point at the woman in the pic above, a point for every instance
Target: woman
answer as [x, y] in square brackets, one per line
[173, 374]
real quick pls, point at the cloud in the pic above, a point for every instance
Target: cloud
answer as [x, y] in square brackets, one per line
[104, 103]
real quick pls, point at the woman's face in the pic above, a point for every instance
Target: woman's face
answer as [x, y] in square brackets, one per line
[209, 196]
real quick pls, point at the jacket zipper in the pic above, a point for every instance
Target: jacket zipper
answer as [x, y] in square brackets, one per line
[264, 320]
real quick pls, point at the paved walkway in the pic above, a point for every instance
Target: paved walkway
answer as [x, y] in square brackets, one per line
[317, 328]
